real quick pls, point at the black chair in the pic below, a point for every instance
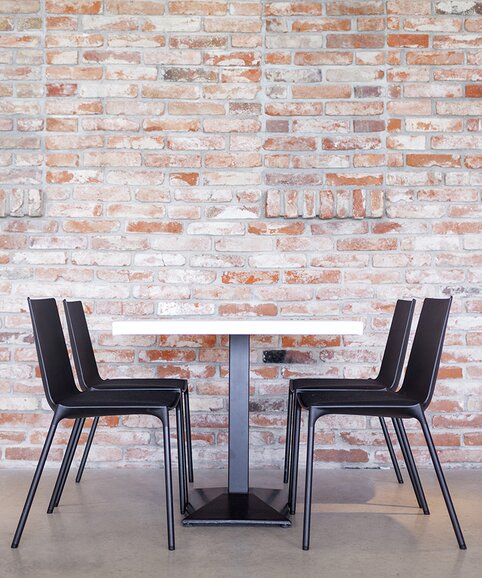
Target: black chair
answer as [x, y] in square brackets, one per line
[68, 402]
[388, 378]
[89, 378]
[410, 401]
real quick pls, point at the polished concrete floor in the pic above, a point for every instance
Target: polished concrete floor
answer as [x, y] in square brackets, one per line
[364, 525]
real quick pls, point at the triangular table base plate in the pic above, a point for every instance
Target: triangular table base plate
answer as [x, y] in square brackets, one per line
[237, 510]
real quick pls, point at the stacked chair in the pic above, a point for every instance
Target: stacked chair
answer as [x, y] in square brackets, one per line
[388, 378]
[410, 401]
[89, 378]
[68, 402]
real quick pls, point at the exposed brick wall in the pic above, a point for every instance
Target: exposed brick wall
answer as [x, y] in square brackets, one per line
[242, 158]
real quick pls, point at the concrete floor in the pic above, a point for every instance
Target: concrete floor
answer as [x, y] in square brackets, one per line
[364, 525]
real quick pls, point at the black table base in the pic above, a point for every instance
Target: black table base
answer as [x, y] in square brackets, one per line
[238, 504]
[218, 507]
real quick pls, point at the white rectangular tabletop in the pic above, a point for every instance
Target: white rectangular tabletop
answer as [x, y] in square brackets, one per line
[237, 327]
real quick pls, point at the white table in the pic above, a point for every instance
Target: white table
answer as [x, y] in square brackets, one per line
[238, 504]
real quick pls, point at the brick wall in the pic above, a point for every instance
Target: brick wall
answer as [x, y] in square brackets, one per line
[290, 159]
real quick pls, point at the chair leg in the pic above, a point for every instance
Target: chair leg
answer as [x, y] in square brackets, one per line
[71, 459]
[168, 481]
[308, 482]
[391, 451]
[180, 458]
[88, 445]
[66, 463]
[184, 453]
[63, 465]
[442, 483]
[187, 416]
[410, 463]
[293, 485]
[35, 482]
[289, 427]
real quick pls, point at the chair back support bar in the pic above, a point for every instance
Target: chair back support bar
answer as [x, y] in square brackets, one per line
[396, 346]
[424, 360]
[82, 350]
[55, 368]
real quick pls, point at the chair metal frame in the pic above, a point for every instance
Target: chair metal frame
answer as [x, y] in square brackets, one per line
[388, 378]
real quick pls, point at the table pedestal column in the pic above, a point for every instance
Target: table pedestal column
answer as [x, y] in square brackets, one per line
[238, 457]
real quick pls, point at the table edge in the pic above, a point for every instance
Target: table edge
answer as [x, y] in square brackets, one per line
[237, 327]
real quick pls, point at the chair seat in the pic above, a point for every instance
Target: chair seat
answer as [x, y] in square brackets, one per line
[129, 400]
[142, 383]
[356, 401]
[333, 383]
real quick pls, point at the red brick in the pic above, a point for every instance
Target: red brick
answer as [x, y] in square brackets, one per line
[462, 420]
[98, 226]
[292, 8]
[62, 160]
[141, 7]
[431, 160]
[111, 56]
[368, 125]
[408, 40]
[473, 161]
[370, 24]
[226, 24]
[341, 455]
[61, 22]
[355, 41]
[473, 439]
[473, 91]
[409, 7]
[321, 25]
[289, 143]
[153, 227]
[354, 108]
[61, 89]
[75, 73]
[354, 7]
[62, 124]
[323, 57]
[307, 91]
[74, 6]
[262, 310]
[250, 278]
[350, 143]
[209, 8]
[303, 277]
[353, 179]
[367, 245]
[438, 57]
[198, 42]
[276, 229]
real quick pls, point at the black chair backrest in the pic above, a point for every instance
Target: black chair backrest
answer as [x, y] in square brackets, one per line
[53, 357]
[397, 342]
[424, 360]
[82, 350]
